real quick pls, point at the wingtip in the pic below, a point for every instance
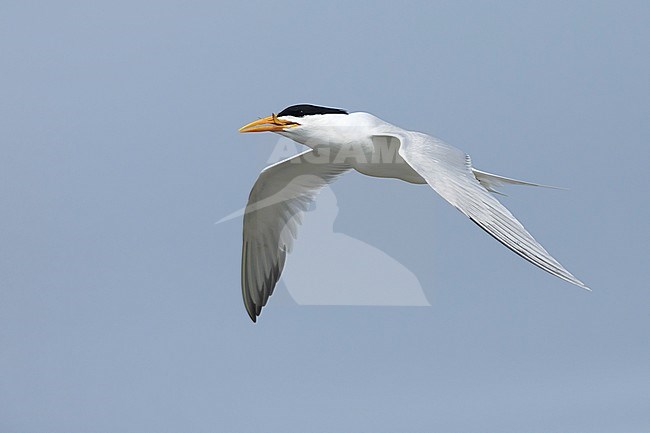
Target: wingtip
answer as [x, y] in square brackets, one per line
[581, 285]
[250, 308]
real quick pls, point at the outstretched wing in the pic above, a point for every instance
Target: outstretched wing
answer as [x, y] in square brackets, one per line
[280, 196]
[449, 172]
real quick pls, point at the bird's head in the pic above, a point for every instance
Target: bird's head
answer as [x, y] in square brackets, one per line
[300, 122]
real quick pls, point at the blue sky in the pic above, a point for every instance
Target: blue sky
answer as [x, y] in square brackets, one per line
[120, 306]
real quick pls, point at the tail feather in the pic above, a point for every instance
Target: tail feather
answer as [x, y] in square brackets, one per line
[492, 181]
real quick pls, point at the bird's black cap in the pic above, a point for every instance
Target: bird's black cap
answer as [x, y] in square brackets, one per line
[307, 110]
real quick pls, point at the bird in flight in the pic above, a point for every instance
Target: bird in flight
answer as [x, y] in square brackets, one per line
[339, 142]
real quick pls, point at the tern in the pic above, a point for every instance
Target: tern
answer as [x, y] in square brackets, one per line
[339, 142]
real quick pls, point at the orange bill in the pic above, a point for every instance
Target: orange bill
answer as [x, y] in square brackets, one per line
[270, 123]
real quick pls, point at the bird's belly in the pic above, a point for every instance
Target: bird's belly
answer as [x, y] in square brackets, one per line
[374, 160]
[382, 159]
[399, 169]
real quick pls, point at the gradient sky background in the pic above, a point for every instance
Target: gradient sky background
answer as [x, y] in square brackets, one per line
[120, 306]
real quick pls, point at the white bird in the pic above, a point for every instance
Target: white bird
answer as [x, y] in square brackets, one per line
[342, 141]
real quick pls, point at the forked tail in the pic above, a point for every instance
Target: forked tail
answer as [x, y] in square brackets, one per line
[492, 181]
